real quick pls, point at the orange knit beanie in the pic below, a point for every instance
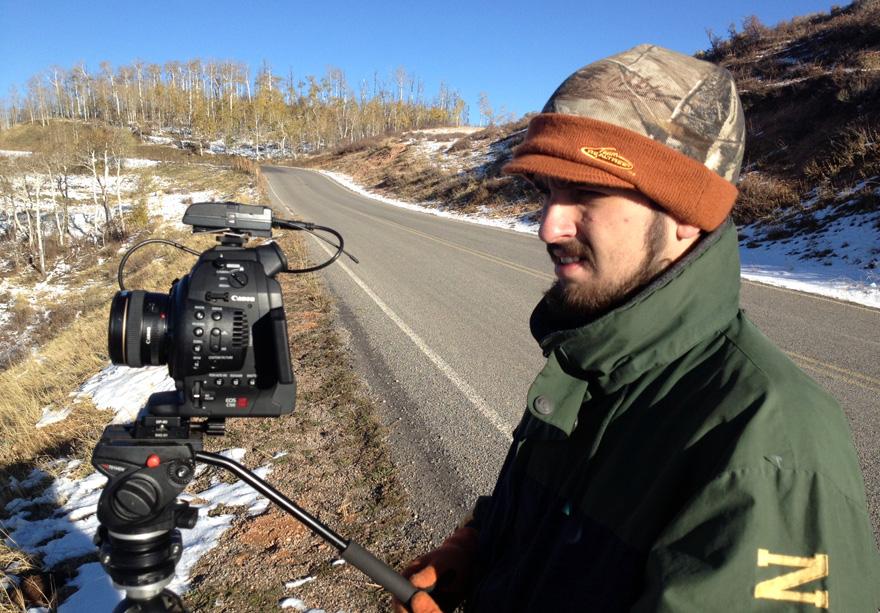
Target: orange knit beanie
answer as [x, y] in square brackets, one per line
[650, 119]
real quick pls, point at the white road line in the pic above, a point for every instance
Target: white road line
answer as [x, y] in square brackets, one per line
[462, 385]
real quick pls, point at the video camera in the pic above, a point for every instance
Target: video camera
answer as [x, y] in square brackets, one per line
[222, 332]
[221, 329]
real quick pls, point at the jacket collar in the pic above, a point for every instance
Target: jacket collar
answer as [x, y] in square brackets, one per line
[694, 299]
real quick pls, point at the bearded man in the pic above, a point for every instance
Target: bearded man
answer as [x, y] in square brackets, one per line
[670, 458]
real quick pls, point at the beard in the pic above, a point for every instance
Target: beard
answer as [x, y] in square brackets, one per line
[578, 301]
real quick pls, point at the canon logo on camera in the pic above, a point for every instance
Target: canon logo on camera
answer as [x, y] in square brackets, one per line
[235, 298]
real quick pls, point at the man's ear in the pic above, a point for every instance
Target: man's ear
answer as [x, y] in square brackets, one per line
[684, 231]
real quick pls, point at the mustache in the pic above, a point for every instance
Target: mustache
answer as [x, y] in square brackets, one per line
[570, 249]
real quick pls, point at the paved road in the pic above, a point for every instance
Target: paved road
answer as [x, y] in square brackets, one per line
[437, 314]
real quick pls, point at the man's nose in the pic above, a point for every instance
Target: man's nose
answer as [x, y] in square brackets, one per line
[557, 223]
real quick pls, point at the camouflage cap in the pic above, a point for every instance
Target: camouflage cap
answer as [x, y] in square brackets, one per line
[652, 119]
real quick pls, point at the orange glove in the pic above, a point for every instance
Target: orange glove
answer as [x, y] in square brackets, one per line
[446, 572]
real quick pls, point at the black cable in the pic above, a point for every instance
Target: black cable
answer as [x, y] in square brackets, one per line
[310, 228]
[121, 270]
[281, 223]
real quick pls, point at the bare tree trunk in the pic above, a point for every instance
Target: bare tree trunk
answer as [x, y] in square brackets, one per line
[119, 196]
[53, 182]
[105, 201]
[41, 251]
[65, 218]
[30, 224]
[93, 163]
[59, 224]
[19, 229]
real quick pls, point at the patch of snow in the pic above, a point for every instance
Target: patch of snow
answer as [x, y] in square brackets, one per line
[53, 416]
[34, 479]
[433, 147]
[8, 580]
[236, 454]
[15, 154]
[158, 140]
[95, 591]
[840, 260]
[855, 189]
[293, 603]
[295, 584]
[789, 61]
[449, 130]
[125, 390]
[139, 163]
[171, 207]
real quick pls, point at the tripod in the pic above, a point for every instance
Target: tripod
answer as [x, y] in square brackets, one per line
[149, 464]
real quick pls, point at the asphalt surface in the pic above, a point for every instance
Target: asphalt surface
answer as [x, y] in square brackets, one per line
[437, 317]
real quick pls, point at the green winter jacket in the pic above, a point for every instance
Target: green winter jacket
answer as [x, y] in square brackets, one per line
[673, 459]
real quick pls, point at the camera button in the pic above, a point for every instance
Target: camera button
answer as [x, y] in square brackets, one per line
[235, 382]
[197, 347]
[215, 332]
[200, 314]
[216, 315]
[218, 382]
[198, 331]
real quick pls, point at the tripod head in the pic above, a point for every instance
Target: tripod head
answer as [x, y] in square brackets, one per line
[149, 464]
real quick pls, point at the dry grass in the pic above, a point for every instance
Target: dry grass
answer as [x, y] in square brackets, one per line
[231, 184]
[47, 380]
[74, 331]
[73, 348]
[763, 196]
[24, 137]
[12, 600]
[252, 168]
[76, 350]
[852, 154]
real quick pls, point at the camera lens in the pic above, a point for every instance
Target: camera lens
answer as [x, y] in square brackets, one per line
[138, 328]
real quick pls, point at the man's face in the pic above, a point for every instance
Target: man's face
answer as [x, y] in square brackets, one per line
[605, 243]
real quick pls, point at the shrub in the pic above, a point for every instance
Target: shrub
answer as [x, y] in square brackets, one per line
[855, 151]
[763, 196]
[359, 145]
[139, 216]
[21, 314]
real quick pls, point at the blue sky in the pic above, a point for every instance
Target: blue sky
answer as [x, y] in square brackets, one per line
[517, 52]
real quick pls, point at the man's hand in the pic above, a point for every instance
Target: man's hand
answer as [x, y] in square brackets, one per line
[445, 572]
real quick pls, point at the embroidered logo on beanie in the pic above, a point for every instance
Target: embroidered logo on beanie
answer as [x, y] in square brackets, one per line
[609, 155]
